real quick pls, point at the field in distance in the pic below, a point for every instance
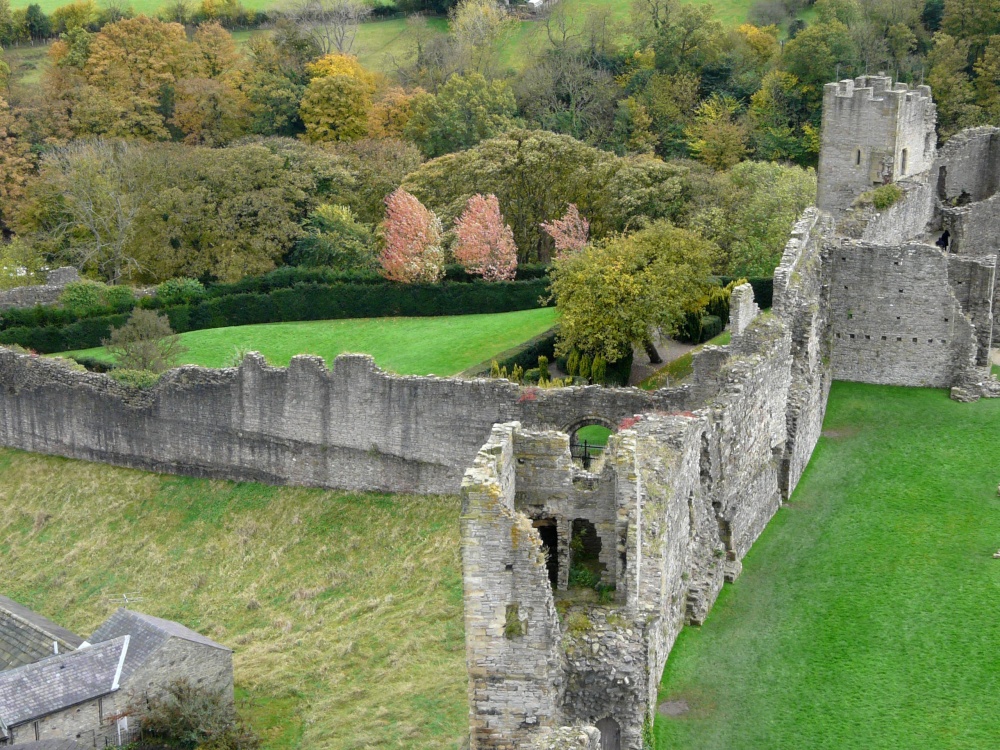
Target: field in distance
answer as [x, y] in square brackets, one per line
[444, 345]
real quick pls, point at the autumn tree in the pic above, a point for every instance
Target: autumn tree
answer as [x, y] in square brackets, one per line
[376, 167]
[477, 28]
[208, 111]
[988, 80]
[411, 236]
[133, 62]
[465, 111]
[335, 108]
[331, 24]
[216, 51]
[570, 234]
[16, 165]
[718, 136]
[613, 293]
[484, 243]
[85, 207]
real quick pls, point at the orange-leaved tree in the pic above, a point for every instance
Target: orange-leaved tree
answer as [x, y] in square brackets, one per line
[485, 244]
[570, 233]
[412, 241]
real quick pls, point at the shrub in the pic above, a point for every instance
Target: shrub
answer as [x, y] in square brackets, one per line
[188, 716]
[134, 378]
[619, 372]
[179, 291]
[119, 298]
[543, 369]
[599, 369]
[584, 369]
[334, 238]
[83, 297]
[145, 342]
[883, 197]
[573, 362]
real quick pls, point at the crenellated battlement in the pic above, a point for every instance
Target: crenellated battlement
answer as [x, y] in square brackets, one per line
[874, 132]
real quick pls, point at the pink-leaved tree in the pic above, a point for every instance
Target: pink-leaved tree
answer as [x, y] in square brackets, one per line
[570, 233]
[485, 244]
[412, 236]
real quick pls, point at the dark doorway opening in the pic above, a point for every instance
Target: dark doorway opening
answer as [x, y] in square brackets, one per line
[585, 567]
[611, 734]
[550, 542]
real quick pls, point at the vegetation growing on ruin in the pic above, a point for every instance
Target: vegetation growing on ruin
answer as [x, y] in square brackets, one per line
[882, 197]
[408, 346]
[865, 611]
[344, 610]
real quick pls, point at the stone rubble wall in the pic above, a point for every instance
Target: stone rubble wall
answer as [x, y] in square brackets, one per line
[354, 427]
[44, 294]
[512, 635]
[895, 318]
[971, 165]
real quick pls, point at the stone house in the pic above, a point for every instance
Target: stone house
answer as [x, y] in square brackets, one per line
[27, 637]
[89, 695]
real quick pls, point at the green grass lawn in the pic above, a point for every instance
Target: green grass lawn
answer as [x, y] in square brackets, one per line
[408, 346]
[344, 609]
[866, 616]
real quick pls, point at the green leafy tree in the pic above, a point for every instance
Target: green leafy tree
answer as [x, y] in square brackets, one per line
[753, 207]
[718, 136]
[816, 56]
[335, 108]
[334, 238]
[612, 294]
[953, 90]
[466, 110]
[988, 80]
[146, 342]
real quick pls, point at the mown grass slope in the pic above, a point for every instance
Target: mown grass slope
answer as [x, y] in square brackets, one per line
[344, 610]
[443, 345]
[866, 616]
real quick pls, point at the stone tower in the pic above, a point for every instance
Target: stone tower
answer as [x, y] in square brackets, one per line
[874, 133]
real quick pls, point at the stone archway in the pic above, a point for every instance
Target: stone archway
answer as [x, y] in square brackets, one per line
[586, 446]
[611, 734]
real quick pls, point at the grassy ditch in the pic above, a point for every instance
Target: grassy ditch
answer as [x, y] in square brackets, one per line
[866, 613]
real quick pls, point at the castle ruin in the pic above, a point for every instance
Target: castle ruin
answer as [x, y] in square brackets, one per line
[900, 295]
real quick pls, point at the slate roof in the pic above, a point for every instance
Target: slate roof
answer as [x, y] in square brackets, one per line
[58, 682]
[26, 636]
[147, 635]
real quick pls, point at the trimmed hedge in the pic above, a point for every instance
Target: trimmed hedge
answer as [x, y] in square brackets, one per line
[300, 302]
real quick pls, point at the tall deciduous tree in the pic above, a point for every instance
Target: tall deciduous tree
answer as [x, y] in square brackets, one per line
[612, 294]
[16, 164]
[335, 108]
[717, 136]
[412, 240]
[331, 24]
[484, 243]
[570, 233]
[465, 111]
[953, 90]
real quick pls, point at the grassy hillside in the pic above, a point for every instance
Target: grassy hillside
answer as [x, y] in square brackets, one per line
[866, 616]
[409, 346]
[345, 610]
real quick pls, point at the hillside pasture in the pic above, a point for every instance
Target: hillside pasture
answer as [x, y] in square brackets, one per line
[443, 345]
[344, 610]
[866, 613]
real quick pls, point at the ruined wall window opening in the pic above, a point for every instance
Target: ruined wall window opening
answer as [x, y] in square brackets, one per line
[549, 534]
[902, 162]
[585, 566]
[587, 441]
[857, 157]
[513, 626]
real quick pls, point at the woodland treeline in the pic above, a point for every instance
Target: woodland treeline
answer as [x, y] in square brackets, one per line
[153, 148]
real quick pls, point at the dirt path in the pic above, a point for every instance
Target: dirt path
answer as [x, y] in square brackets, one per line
[668, 349]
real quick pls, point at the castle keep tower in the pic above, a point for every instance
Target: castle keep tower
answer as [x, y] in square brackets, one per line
[874, 133]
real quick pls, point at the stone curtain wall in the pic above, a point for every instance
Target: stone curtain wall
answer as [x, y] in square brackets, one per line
[801, 299]
[894, 316]
[354, 428]
[969, 164]
[45, 294]
[682, 495]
